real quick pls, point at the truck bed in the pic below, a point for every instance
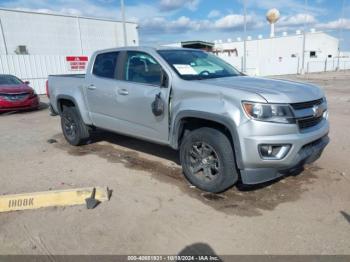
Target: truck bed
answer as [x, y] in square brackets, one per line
[69, 75]
[67, 85]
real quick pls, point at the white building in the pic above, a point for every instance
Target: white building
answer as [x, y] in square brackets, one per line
[23, 32]
[282, 54]
[35, 45]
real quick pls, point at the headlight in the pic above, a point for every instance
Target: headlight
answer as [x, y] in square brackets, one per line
[325, 113]
[33, 93]
[277, 113]
[325, 100]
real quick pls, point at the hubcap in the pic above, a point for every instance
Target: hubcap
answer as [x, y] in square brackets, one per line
[203, 161]
[69, 127]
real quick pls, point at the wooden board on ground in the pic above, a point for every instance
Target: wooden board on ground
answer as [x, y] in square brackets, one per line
[68, 197]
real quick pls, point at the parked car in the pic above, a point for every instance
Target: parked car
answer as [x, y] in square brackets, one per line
[227, 126]
[16, 95]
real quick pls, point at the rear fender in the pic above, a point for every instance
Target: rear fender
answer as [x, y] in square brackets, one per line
[83, 112]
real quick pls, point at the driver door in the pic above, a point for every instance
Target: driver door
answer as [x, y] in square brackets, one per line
[139, 85]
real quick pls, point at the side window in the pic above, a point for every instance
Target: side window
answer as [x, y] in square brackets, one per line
[142, 68]
[313, 54]
[105, 65]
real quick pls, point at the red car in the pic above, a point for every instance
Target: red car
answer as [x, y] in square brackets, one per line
[16, 95]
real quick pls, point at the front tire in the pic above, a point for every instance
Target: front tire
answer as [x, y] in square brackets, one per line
[74, 130]
[207, 159]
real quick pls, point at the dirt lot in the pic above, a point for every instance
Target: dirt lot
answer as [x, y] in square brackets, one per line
[153, 209]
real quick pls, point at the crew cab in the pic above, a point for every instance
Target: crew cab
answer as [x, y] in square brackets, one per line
[227, 126]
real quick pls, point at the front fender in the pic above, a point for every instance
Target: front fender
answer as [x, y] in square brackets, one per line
[221, 119]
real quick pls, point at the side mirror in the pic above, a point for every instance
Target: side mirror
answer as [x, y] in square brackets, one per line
[164, 80]
[158, 105]
[26, 82]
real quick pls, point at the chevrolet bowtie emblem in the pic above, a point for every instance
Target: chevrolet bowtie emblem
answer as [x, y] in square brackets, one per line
[317, 110]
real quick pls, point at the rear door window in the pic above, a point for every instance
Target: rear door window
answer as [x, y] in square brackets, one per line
[106, 65]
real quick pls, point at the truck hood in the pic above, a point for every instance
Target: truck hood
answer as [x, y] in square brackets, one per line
[272, 90]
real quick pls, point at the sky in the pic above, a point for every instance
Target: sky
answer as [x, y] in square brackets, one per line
[169, 21]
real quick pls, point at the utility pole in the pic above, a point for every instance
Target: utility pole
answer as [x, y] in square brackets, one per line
[3, 37]
[341, 33]
[304, 41]
[122, 7]
[245, 37]
[81, 41]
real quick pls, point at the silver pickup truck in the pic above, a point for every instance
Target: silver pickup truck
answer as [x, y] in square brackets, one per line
[228, 127]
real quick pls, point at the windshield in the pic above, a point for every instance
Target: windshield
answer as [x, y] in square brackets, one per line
[9, 80]
[197, 65]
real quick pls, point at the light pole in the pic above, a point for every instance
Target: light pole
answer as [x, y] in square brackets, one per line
[122, 7]
[3, 37]
[304, 41]
[245, 37]
[340, 33]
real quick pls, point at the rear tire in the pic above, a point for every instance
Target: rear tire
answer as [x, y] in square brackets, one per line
[74, 130]
[208, 161]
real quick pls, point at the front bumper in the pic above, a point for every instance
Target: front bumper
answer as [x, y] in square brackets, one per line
[308, 154]
[27, 104]
[306, 147]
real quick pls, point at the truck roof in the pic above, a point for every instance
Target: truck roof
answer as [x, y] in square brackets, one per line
[144, 48]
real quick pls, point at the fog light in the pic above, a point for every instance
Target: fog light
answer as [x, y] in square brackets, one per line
[273, 152]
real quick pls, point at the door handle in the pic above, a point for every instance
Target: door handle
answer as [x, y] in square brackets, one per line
[123, 92]
[91, 87]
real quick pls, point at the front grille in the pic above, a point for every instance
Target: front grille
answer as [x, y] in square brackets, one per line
[14, 97]
[315, 143]
[309, 122]
[303, 105]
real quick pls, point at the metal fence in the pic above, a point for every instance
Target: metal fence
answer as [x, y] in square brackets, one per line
[327, 65]
[261, 66]
[36, 68]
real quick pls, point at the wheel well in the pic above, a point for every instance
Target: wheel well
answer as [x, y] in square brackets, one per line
[64, 103]
[191, 123]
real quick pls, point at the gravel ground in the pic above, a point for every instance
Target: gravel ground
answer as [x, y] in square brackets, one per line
[153, 210]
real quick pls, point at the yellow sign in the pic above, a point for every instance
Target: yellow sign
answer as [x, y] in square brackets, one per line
[36, 200]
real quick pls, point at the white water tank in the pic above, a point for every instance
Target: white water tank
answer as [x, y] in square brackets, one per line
[272, 17]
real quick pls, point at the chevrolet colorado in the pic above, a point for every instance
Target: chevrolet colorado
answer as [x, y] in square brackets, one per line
[227, 126]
